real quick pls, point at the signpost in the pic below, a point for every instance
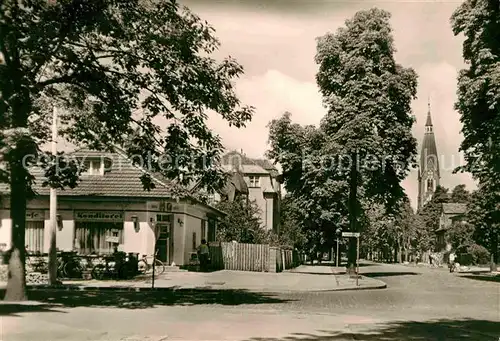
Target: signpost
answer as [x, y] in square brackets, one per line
[351, 234]
[354, 235]
[157, 236]
[338, 232]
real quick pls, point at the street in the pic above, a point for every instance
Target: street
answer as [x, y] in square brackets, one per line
[418, 304]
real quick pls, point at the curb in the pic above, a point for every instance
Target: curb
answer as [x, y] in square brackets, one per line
[372, 287]
[194, 290]
[110, 289]
[312, 273]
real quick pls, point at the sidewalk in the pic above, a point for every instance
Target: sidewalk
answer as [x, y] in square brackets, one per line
[231, 280]
[472, 269]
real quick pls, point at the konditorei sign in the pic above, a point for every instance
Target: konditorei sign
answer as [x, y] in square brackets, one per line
[99, 216]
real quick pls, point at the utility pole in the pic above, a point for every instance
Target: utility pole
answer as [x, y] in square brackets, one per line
[53, 211]
[338, 232]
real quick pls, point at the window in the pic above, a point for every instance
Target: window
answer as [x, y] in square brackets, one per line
[194, 240]
[203, 229]
[430, 185]
[254, 181]
[91, 237]
[33, 238]
[93, 167]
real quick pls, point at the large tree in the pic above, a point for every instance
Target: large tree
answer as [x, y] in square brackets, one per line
[459, 194]
[291, 232]
[368, 97]
[132, 73]
[483, 214]
[391, 235]
[316, 191]
[242, 223]
[479, 99]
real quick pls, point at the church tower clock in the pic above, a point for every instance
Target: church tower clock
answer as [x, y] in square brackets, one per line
[428, 172]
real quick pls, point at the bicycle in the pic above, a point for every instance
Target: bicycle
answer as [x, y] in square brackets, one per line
[70, 266]
[117, 266]
[37, 263]
[144, 266]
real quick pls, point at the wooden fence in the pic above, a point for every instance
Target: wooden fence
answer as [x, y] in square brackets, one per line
[251, 257]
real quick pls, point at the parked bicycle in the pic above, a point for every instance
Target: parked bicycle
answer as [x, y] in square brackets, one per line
[36, 262]
[69, 265]
[117, 266]
[144, 266]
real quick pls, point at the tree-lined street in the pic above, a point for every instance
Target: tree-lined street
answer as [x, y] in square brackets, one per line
[419, 304]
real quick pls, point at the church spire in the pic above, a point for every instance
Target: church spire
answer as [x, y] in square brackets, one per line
[429, 175]
[429, 120]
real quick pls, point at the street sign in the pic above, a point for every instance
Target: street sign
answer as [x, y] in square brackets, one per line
[351, 234]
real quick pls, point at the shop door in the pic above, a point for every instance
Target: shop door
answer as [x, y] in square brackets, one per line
[163, 248]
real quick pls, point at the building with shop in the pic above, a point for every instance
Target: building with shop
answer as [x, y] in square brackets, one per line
[109, 207]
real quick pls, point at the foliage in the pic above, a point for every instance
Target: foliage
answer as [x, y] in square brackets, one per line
[429, 217]
[242, 223]
[460, 235]
[479, 105]
[368, 96]
[317, 194]
[390, 232]
[115, 80]
[480, 255]
[431, 211]
[483, 213]
[132, 73]
[424, 235]
[291, 229]
[478, 86]
[459, 194]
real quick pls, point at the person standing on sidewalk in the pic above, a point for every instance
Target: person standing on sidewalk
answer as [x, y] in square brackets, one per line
[203, 255]
[451, 262]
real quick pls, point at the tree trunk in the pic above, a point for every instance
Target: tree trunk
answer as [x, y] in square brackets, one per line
[21, 106]
[353, 203]
[16, 284]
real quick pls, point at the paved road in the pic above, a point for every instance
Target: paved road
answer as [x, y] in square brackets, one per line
[419, 304]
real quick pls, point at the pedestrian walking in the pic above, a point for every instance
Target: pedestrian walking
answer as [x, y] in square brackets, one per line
[203, 255]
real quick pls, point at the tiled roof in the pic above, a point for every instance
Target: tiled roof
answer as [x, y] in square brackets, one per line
[454, 208]
[248, 165]
[121, 179]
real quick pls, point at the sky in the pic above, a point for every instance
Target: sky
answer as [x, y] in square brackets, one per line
[275, 41]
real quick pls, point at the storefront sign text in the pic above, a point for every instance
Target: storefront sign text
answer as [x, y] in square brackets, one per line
[35, 215]
[98, 216]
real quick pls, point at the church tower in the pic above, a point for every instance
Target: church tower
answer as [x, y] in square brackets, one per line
[428, 172]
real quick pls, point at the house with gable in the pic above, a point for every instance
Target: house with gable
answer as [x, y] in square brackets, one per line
[450, 213]
[262, 185]
[110, 206]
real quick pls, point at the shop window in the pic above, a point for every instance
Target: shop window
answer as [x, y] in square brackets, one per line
[91, 237]
[34, 235]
